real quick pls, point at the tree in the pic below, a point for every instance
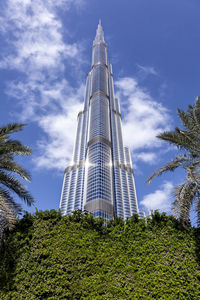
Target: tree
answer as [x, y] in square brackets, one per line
[187, 140]
[9, 184]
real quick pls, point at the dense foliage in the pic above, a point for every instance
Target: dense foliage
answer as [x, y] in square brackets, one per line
[187, 140]
[77, 257]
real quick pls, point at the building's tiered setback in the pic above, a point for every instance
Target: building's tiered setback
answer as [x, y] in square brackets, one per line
[100, 179]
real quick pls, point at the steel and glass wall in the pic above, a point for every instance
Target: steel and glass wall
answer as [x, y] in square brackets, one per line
[101, 179]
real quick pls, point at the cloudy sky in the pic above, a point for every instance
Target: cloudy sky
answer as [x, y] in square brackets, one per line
[45, 55]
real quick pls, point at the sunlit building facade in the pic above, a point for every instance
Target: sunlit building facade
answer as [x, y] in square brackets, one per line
[100, 179]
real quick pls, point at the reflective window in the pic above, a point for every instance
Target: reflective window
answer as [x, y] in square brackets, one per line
[99, 54]
[99, 79]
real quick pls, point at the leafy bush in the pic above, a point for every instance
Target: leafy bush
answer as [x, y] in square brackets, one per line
[77, 257]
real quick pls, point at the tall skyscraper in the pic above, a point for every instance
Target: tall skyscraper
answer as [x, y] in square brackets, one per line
[100, 179]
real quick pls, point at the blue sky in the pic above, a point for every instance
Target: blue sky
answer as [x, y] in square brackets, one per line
[45, 55]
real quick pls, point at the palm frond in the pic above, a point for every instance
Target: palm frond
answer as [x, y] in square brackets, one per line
[12, 166]
[8, 210]
[187, 139]
[191, 118]
[14, 147]
[8, 183]
[187, 119]
[14, 185]
[198, 209]
[10, 128]
[5, 193]
[185, 195]
[196, 115]
[193, 174]
[181, 139]
[170, 166]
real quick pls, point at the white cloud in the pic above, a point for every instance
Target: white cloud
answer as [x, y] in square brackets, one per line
[147, 157]
[160, 199]
[144, 118]
[36, 36]
[38, 49]
[57, 147]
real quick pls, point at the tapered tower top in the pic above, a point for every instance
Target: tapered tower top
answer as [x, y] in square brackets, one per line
[99, 34]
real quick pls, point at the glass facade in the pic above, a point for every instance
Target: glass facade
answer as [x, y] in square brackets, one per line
[100, 179]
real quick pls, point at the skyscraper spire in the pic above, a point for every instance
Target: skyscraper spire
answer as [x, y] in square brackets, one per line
[99, 34]
[101, 179]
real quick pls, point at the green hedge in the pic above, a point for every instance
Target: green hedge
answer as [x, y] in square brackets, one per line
[77, 257]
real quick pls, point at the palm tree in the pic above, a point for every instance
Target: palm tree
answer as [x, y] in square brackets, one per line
[9, 184]
[187, 140]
